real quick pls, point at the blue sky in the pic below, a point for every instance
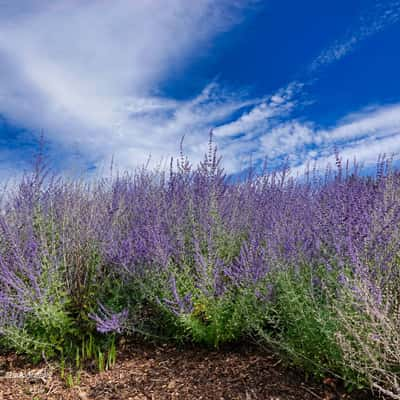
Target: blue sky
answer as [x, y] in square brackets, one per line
[127, 79]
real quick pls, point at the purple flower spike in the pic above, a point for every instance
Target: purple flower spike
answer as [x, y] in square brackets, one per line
[107, 321]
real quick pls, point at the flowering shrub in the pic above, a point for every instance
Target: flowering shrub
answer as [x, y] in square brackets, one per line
[310, 264]
[370, 334]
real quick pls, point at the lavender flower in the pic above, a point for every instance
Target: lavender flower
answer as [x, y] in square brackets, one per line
[107, 321]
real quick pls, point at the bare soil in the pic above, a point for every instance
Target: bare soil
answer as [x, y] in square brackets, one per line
[149, 371]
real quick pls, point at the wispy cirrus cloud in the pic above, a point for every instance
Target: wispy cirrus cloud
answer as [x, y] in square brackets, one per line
[371, 22]
[364, 135]
[268, 129]
[277, 105]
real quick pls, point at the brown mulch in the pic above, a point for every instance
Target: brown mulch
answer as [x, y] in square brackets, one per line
[145, 371]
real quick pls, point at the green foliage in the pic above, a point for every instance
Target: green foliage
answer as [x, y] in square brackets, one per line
[51, 333]
[58, 327]
[224, 319]
[215, 318]
[369, 335]
[153, 320]
[45, 333]
[303, 322]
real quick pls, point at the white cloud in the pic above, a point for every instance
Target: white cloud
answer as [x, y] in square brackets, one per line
[87, 72]
[363, 135]
[379, 121]
[376, 19]
[287, 138]
[258, 118]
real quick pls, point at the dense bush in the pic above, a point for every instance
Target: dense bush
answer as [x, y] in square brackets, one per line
[309, 264]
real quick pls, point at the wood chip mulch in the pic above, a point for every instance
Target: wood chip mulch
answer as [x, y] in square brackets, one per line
[145, 371]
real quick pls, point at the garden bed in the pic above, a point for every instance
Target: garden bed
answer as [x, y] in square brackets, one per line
[310, 267]
[146, 371]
